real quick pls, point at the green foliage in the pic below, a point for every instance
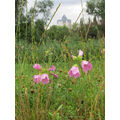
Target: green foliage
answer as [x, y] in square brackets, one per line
[39, 30]
[101, 9]
[93, 32]
[54, 51]
[31, 11]
[19, 4]
[96, 8]
[57, 32]
[69, 99]
[44, 7]
[82, 29]
[64, 98]
[89, 30]
[29, 29]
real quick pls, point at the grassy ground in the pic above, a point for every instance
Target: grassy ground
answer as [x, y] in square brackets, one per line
[55, 51]
[64, 98]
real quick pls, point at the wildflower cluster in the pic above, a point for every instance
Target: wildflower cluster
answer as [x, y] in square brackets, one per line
[85, 65]
[44, 78]
[73, 72]
[53, 69]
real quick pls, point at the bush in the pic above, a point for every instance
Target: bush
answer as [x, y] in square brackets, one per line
[57, 32]
[39, 30]
[55, 52]
[93, 32]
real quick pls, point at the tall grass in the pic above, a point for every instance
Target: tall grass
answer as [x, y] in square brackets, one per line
[64, 98]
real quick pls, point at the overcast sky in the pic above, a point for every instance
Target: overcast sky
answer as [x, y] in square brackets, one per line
[71, 8]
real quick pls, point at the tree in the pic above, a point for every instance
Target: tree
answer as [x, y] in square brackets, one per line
[35, 25]
[19, 9]
[100, 11]
[57, 32]
[31, 11]
[39, 29]
[41, 10]
[96, 8]
[44, 8]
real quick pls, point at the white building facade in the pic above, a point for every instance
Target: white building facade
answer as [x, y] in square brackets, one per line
[64, 21]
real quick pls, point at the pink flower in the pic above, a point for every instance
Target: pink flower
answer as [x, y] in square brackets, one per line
[72, 56]
[54, 75]
[74, 71]
[45, 79]
[37, 67]
[37, 78]
[80, 53]
[52, 68]
[86, 66]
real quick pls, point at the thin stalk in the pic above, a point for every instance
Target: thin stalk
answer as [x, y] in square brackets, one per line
[79, 16]
[32, 22]
[19, 15]
[26, 19]
[53, 16]
[43, 35]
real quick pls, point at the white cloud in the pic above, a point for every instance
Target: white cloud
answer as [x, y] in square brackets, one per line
[68, 2]
[71, 8]
[71, 12]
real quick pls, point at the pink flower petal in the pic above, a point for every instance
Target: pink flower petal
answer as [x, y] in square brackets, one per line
[45, 78]
[54, 75]
[86, 66]
[37, 78]
[37, 67]
[52, 68]
[72, 56]
[74, 71]
[80, 53]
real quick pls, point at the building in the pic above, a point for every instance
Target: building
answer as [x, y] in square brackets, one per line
[64, 21]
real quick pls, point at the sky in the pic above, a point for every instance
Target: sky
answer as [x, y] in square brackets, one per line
[71, 8]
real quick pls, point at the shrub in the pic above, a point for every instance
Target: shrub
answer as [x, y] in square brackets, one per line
[93, 32]
[39, 29]
[57, 32]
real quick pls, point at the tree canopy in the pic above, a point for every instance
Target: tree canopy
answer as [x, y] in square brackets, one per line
[96, 8]
[31, 23]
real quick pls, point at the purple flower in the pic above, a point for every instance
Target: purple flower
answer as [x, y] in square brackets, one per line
[80, 53]
[74, 71]
[45, 79]
[37, 67]
[37, 78]
[56, 76]
[72, 56]
[52, 68]
[86, 66]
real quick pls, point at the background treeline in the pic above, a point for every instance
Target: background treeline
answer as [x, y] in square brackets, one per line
[33, 22]
[30, 24]
[36, 44]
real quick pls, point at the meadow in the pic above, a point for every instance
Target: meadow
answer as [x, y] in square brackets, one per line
[67, 91]
[64, 98]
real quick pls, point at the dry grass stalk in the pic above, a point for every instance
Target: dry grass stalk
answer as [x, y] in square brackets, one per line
[27, 101]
